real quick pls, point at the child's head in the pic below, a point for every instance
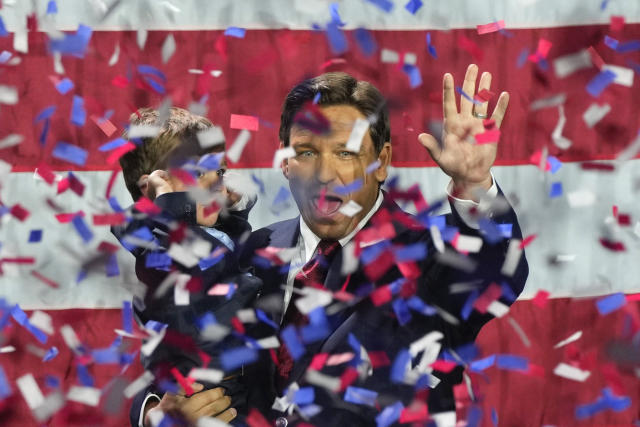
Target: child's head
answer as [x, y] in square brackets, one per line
[176, 142]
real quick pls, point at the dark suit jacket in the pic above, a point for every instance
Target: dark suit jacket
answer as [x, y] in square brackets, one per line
[377, 328]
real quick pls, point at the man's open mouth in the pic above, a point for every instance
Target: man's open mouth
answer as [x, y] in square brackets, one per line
[327, 205]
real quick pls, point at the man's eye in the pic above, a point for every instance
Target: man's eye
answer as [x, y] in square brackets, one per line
[306, 153]
[347, 153]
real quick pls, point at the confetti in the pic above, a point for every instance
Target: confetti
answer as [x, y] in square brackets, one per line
[210, 137]
[235, 32]
[168, 49]
[365, 41]
[234, 153]
[385, 5]
[490, 28]
[595, 113]
[623, 76]
[571, 372]
[600, 82]
[610, 303]
[573, 337]
[360, 396]
[413, 6]
[566, 65]
[430, 47]
[336, 38]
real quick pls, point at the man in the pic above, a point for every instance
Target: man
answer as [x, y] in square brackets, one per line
[394, 298]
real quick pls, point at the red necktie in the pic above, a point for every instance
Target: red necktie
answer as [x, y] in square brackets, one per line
[313, 273]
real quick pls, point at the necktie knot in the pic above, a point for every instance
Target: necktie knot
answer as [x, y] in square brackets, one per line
[327, 248]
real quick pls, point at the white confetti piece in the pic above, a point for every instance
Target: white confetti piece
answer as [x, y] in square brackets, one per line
[624, 76]
[141, 38]
[208, 375]
[210, 422]
[238, 145]
[437, 238]
[57, 63]
[349, 259]
[422, 343]
[358, 131]
[7, 349]
[115, 55]
[30, 391]
[180, 292]
[574, 337]
[497, 308]
[456, 260]
[11, 140]
[8, 95]
[210, 137]
[195, 71]
[566, 65]
[269, 342]
[319, 379]
[170, 6]
[466, 243]
[150, 345]
[548, 102]
[630, 151]
[315, 298]
[51, 404]
[281, 154]
[143, 131]
[180, 254]
[338, 359]
[42, 321]
[21, 41]
[571, 372]
[514, 252]
[246, 315]
[350, 208]
[168, 48]
[216, 73]
[221, 289]
[389, 56]
[516, 327]
[87, 395]
[595, 113]
[559, 140]
[138, 384]
[70, 338]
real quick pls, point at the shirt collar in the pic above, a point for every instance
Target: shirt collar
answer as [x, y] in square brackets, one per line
[310, 240]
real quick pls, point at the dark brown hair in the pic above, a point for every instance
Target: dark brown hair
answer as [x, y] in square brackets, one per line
[180, 130]
[338, 88]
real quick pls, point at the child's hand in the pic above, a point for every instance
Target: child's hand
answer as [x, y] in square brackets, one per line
[156, 184]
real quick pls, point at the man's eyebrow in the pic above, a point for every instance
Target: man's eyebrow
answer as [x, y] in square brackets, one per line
[302, 144]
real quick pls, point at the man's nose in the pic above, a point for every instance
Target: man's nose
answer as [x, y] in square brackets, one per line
[325, 170]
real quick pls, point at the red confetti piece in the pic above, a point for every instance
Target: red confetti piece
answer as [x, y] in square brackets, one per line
[107, 247]
[105, 125]
[596, 58]
[184, 176]
[471, 47]
[237, 325]
[492, 293]
[332, 61]
[46, 173]
[348, 377]
[527, 240]
[67, 217]
[256, 419]
[445, 366]
[109, 219]
[185, 383]
[145, 205]
[598, 166]
[19, 212]
[211, 209]
[63, 185]
[541, 298]
[381, 295]
[318, 361]
[488, 137]
[613, 246]
[617, 23]
[75, 185]
[244, 122]
[379, 359]
[112, 180]
[120, 81]
[535, 371]
[204, 357]
[484, 95]
[490, 28]
[415, 413]
[115, 155]
[45, 280]
[19, 260]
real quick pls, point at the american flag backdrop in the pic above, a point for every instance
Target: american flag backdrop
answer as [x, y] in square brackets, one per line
[567, 161]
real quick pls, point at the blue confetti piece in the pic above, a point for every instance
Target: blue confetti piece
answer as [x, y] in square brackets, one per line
[507, 292]
[35, 236]
[360, 396]
[554, 163]
[81, 227]
[396, 285]
[155, 326]
[51, 353]
[52, 381]
[491, 231]
[127, 317]
[304, 396]
[3, 29]
[385, 5]
[467, 97]
[389, 415]
[611, 303]
[402, 360]
[5, 56]
[5, 388]
[600, 82]
[293, 343]
[52, 7]
[316, 98]
[236, 357]
[318, 327]
[630, 46]
[512, 363]
[431, 48]
[78, 115]
[556, 190]
[365, 41]
[401, 309]
[413, 6]
[611, 42]
[206, 263]
[494, 417]
[482, 364]
[604, 4]
[149, 69]
[258, 182]
[45, 131]
[21, 318]
[235, 32]
[506, 230]
[335, 15]
[206, 320]
[46, 113]
[211, 162]
[522, 58]
[64, 86]
[416, 304]
[474, 416]
[84, 376]
[467, 308]
[112, 144]
[106, 356]
[111, 266]
[413, 252]
[262, 316]
[82, 274]
[156, 86]
[349, 188]
[158, 260]
[282, 196]
[72, 44]
[337, 39]
[413, 73]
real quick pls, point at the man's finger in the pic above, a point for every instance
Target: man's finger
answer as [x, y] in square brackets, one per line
[469, 88]
[501, 108]
[431, 144]
[448, 97]
[485, 83]
[204, 398]
[227, 415]
[214, 408]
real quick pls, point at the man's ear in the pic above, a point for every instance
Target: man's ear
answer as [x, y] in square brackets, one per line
[285, 163]
[384, 158]
[143, 185]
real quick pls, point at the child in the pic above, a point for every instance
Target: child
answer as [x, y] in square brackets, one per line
[177, 236]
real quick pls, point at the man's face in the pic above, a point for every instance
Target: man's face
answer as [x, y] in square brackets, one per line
[322, 163]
